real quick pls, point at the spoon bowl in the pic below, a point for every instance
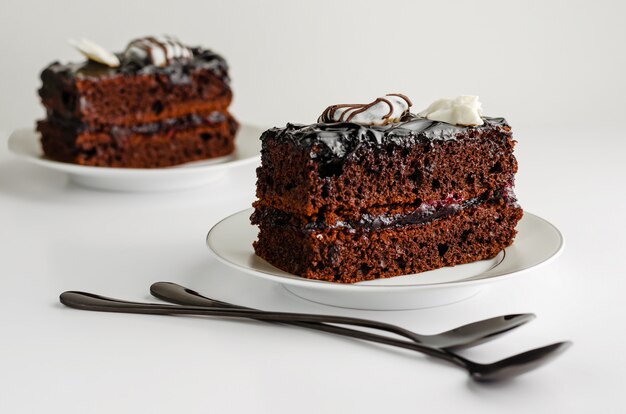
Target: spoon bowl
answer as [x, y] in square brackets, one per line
[516, 365]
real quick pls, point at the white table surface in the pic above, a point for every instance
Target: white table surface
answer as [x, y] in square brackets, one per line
[55, 236]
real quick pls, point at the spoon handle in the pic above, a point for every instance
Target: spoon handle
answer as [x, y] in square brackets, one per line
[464, 336]
[180, 295]
[93, 302]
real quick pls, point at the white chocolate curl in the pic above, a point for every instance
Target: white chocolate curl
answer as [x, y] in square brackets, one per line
[156, 50]
[462, 110]
[95, 52]
[381, 111]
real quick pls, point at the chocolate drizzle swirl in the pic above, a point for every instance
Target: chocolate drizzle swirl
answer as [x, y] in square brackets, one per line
[353, 110]
[157, 51]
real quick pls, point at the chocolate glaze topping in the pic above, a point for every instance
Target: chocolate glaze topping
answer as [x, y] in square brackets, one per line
[178, 70]
[331, 141]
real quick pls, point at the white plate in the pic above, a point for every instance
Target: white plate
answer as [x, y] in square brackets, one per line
[536, 243]
[25, 144]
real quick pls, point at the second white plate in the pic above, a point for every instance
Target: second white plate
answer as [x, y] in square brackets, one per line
[536, 243]
[25, 144]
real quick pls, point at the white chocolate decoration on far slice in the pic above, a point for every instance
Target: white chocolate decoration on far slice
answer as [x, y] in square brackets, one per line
[462, 110]
[157, 50]
[95, 52]
[382, 111]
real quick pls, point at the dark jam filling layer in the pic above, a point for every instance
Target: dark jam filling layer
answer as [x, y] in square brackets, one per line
[331, 141]
[178, 71]
[171, 124]
[425, 213]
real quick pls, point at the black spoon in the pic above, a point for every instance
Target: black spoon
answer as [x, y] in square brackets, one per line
[499, 370]
[462, 337]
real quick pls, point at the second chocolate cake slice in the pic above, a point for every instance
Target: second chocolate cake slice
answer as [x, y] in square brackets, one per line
[374, 191]
[158, 103]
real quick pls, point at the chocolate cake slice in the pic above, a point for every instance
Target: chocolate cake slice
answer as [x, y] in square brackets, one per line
[345, 200]
[159, 103]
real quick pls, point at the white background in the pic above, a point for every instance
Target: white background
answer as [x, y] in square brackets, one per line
[537, 62]
[554, 69]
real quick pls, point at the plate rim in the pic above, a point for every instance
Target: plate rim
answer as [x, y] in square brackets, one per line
[32, 137]
[294, 280]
